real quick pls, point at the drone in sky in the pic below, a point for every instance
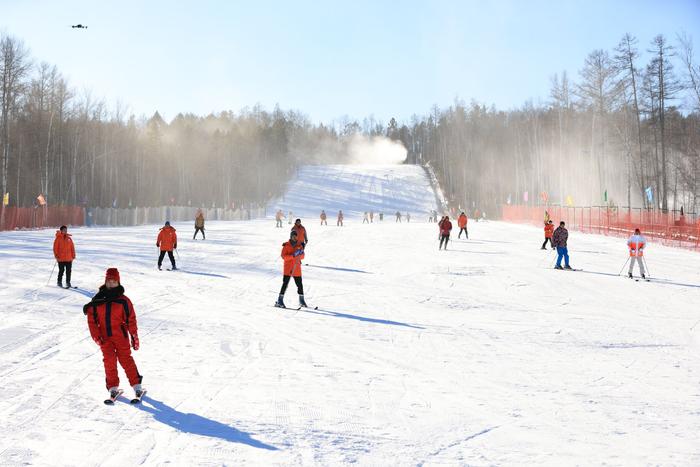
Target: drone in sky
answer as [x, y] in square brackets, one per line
[79, 26]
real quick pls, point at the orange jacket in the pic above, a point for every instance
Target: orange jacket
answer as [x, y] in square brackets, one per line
[301, 233]
[292, 264]
[636, 245]
[167, 239]
[111, 316]
[462, 221]
[548, 230]
[63, 249]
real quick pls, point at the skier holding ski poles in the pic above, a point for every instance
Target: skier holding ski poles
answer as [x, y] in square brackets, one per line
[292, 254]
[112, 323]
[636, 245]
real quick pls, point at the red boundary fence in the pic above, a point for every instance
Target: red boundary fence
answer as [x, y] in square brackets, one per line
[668, 228]
[12, 218]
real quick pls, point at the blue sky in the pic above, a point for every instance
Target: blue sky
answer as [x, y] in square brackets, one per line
[329, 58]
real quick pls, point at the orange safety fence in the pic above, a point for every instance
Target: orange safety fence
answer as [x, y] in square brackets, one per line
[668, 228]
[39, 217]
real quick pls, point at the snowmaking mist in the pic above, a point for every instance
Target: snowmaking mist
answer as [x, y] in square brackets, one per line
[375, 150]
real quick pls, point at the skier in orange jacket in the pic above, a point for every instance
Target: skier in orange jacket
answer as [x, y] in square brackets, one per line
[462, 223]
[64, 252]
[167, 242]
[292, 254]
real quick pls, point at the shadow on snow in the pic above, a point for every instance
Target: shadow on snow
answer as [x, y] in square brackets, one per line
[360, 318]
[198, 425]
[337, 269]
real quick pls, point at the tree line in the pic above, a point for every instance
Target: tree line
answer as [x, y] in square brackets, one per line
[624, 131]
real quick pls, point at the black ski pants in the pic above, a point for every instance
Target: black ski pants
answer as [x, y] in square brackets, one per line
[444, 238]
[64, 266]
[297, 280]
[199, 229]
[466, 234]
[170, 255]
[547, 239]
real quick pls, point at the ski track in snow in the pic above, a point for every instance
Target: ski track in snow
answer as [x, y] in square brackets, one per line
[479, 355]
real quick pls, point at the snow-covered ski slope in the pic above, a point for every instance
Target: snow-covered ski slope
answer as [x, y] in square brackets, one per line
[479, 355]
[356, 189]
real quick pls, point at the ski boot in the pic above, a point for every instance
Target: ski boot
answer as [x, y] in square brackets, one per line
[59, 283]
[302, 302]
[644, 277]
[629, 274]
[558, 267]
[174, 268]
[138, 390]
[567, 267]
[114, 392]
[160, 268]
[280, 303]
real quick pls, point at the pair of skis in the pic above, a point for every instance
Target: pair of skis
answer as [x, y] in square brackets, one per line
[135, 400]
[297, 309]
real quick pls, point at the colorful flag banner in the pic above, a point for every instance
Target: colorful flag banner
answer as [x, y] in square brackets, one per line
[569, 200]
[546, 216]
[544, 196]
[6, 199]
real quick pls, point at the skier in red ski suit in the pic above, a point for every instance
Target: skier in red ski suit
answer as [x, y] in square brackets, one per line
[112, 322]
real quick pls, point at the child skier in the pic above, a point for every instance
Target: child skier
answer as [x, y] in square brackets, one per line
[167, 242]
[292, 254]
[548, 232]
[112, 322]
[636, 245]
[64, 252]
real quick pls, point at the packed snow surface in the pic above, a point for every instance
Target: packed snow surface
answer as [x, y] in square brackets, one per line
[479, 355]
[356, 189]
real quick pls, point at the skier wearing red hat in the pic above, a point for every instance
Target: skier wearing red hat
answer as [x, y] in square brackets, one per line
[112, 323]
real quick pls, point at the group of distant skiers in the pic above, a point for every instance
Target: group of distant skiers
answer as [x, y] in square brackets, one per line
[367, 218]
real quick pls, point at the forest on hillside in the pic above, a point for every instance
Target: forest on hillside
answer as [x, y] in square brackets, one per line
[624, 131]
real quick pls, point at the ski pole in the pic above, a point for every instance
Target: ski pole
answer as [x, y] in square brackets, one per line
[51, 275]
[177, 253]
[646, 266]
[623, 266]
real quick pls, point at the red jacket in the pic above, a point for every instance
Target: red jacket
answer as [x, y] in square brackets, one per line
[111, 316]
[167, 239]
[548, 230]
[301, 233]
[292, 264]
[63, 248]
[462, 221]
[445, 227]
